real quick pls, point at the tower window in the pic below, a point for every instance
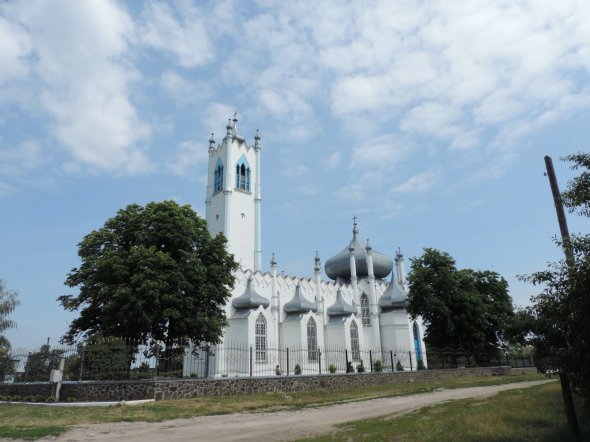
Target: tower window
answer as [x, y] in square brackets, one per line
[365, 310]
[312, 340]
[218, 177]
[243, 174]
[260, 338]
[354, 341]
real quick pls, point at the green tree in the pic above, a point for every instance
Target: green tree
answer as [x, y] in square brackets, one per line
[150, 274]
[559, 314]
[40, 363]
[8, 302]
[461, 309]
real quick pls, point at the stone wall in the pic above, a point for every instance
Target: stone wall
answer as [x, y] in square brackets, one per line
[190, 388]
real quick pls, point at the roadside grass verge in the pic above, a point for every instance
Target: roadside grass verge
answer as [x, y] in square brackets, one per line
[33, 422]
[529, 414]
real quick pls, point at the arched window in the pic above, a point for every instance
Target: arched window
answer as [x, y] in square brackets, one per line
[243, 174]
[417, 346]
[354, 341]
[218, 176]
[365, 310]
[260, 338]
[312, 340]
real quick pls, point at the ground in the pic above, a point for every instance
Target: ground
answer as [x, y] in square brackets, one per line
[273, 426]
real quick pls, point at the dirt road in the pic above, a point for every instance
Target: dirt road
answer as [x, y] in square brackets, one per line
[272, 426]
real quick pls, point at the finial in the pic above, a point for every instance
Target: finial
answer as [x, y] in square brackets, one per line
[257, 136]
[273, 261]
[212, 141]
[368, 248]
[355, 229]
[235, 116]
[228, 127]
[317, 266]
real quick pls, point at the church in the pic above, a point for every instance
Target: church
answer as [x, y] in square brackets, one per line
[359, 313]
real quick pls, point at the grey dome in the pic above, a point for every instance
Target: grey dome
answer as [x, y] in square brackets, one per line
[340, 306]
[394, 297]
[250, 299]
[339, 266]
[299, 304]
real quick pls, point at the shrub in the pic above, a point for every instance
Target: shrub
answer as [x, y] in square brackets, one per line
[332, 368]
[297, 369]
[349, 367]
[378, 366]
[421, 365]
[399, 366]
[360, 368]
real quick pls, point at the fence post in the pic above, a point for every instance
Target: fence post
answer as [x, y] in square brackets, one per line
[320, 360]
[157, 357]
[410, 355]
[391, 357]
[207, 362]
[346, 358]
[250, 361]
[287, 361]
[371, 361]
[82, 360]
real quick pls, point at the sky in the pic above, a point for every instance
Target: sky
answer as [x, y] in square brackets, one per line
[427, 120]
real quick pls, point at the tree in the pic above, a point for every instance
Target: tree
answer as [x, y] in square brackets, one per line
[8, 302]
[461, 309]
[40, 363]
[559, 314]
[151, 273]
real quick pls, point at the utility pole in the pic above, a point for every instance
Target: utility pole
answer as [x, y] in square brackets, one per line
[566, 390]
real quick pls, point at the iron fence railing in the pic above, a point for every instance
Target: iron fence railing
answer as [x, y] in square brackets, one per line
[115, 359]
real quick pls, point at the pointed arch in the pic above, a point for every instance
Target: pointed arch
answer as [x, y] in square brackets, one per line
[243, 174]
[366, 317]
[417, 346]
[260, 338]
[218, 176]
[354, 341]
[312, 340]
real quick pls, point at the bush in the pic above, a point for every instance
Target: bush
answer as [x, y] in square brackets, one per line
[378, 366]
[332, 368]
[349, 367]
[421, 365]
[398, 366]
[360, 368]
[297, 369]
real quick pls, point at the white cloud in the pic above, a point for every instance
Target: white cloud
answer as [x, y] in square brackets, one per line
[190, 154]
[180, 30]
[26, 157]
[334, 161]
[418, 183]
[182, 90]
[15, 46]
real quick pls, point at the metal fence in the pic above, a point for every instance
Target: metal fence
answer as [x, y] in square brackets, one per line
[115, 359]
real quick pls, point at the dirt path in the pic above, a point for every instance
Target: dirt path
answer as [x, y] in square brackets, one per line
[273, 426]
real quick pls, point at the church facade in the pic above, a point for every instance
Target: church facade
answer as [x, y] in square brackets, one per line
[359, 311]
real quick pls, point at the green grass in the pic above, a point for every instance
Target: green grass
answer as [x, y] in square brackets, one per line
[33, 422]
[530, 414]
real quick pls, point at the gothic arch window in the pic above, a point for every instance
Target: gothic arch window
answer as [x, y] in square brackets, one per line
[218, 176]
[260, 338]
[354, 341]
[243, 174]
[312, 340]
[365, 310]
[417, 346]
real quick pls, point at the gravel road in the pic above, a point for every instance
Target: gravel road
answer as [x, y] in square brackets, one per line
[272, 426]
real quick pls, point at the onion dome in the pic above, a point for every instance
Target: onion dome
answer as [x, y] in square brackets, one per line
[299, 304]
[338, 267]
[340, 306]
[250, 299]
[394, 297]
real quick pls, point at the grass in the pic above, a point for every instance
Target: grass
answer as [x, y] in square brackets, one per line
[530, 414]
[33, 422]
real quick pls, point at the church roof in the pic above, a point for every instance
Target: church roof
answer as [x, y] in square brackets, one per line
[394, 297]
[299, 304]
[340, 306]
[250, 299]
[339, 266]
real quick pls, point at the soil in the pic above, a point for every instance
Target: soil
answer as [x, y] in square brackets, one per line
[276, 425]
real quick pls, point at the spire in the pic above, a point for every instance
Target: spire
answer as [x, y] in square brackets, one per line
[257, 140]
[355, 229]
[299, 304]
[369, 247]
[228, 127]
[318, 265]
[340, 306]
[212, 141]
[273, 261]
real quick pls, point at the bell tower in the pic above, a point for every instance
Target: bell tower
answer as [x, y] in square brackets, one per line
[233, 203]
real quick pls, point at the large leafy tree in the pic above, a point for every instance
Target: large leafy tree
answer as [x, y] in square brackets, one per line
[8, 302]
[151, 273]
[462, 309]
[559, 314]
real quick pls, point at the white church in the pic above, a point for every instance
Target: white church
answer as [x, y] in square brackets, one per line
[359, 314]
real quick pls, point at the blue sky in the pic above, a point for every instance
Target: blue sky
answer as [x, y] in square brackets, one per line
[428, 120]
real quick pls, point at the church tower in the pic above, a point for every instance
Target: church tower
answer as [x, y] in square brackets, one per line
[233, 203]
